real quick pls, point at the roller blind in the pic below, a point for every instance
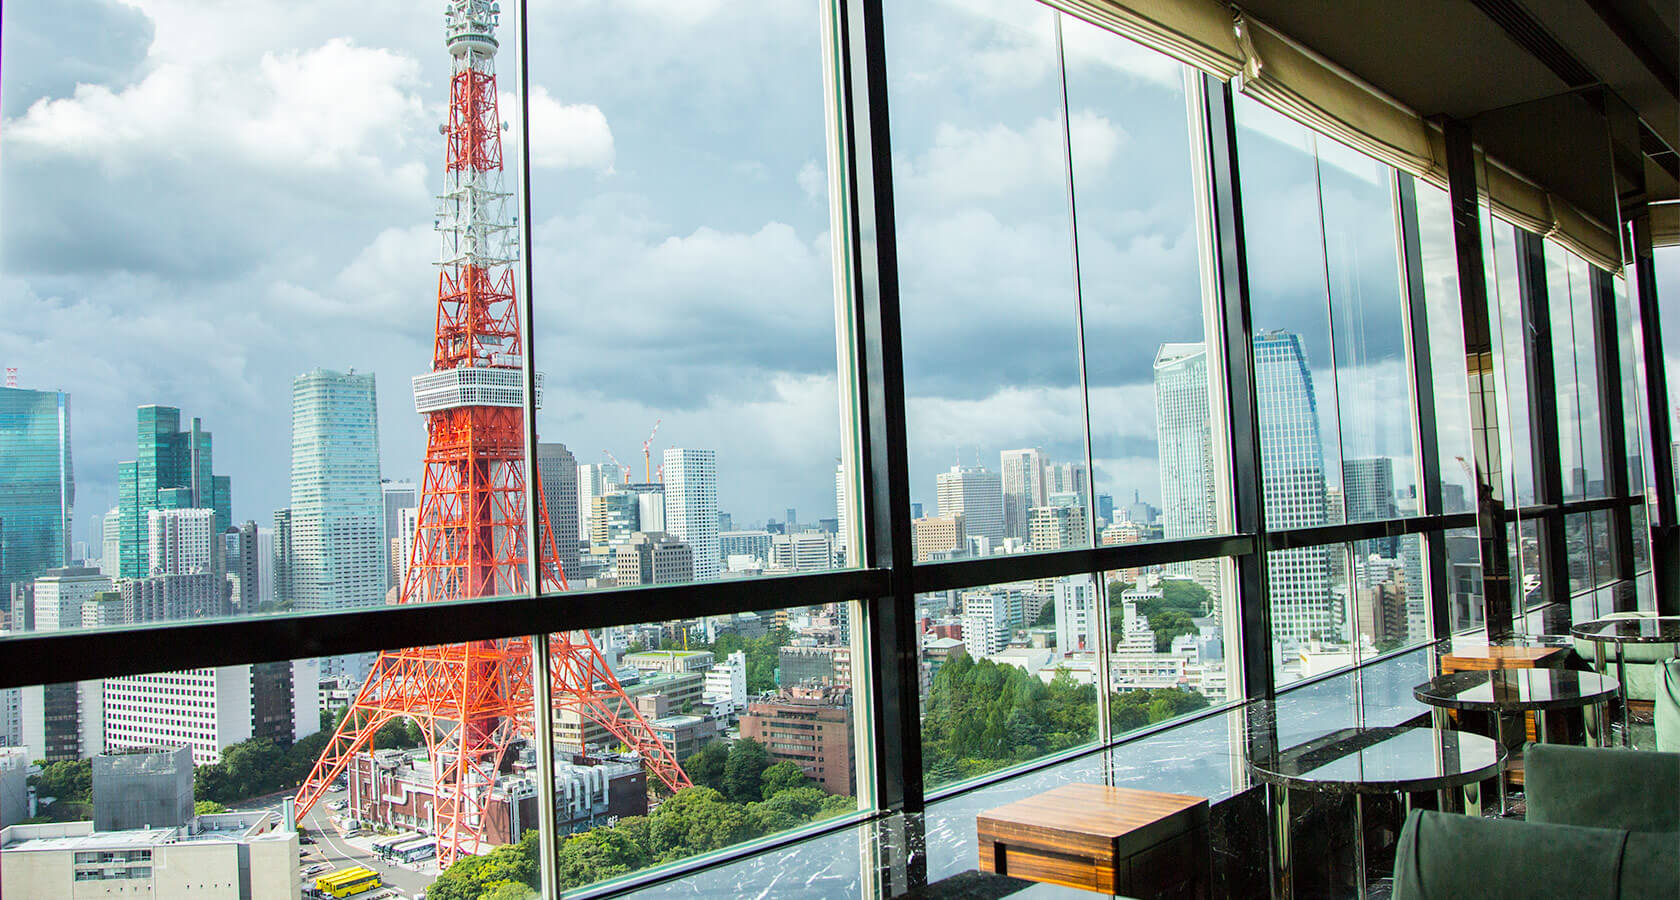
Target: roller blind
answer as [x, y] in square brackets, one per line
[1195, 32]
[1317, 93]
[1665, 225]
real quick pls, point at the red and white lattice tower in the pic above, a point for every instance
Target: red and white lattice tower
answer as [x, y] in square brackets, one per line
[473, 701]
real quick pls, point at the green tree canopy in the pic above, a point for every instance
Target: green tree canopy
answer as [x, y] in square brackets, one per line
[783, 776]
[743, 772]
[69, 780]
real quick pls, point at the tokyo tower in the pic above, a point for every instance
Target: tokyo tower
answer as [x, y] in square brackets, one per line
[473, 701]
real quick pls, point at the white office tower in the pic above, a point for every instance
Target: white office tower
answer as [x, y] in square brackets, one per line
[180, 541]
[213, 708]
[842, 511]
[11, 717]
[265, 566]
[408, 527]
[61, 593]
[1184, 436]
[726, 685]
[1023, 488]
[1292, 478]
[691, 506]
[110, 558]
[807, 551]
[1076, 614]
[337, 552]
[989, 618]
[976, 494]
[397, 496]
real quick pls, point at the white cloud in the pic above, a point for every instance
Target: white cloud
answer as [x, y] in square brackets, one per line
[813, 180]
[999, 160]
[338, 106]
[563, 135]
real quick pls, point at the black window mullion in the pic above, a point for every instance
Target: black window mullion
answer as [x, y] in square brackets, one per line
[1236, 324]
[1614, 432]
[1540, 366]
[1665, 531]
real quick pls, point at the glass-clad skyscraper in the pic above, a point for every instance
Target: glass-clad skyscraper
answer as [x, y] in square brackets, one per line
[37, 483]
[171, 470]
[337, 543]
[1184, 434]
[1292, 480]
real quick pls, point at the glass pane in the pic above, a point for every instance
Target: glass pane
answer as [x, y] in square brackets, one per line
[1590, 482]
[1141, 286]
[1464, 580]
[1446, 349]
[707, 732]
[1633, 399]
[686, 191]
[1009, 674]
[1170, 649]
[986, 272]
[1499, 246]
[1571, 391]
[1312, 619]
[1299, 451]
[191, 775]
[1666, 269]
[1391, 605]
[1577, 535]
[285, 229]
[1370, 327]
[1604, 565]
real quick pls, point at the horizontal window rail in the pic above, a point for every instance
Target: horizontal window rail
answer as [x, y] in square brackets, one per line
[1318, 535]
[58, 656]
[1597, 504]
[989, 570]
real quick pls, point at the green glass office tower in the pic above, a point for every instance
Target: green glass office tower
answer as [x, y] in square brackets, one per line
[37, 483]
[172, 470]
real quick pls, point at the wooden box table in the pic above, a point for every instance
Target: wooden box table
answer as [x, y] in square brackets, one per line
[1107, 839]
[1519, 656]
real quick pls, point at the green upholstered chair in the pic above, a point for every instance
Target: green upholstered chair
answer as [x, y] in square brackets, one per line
[1668, 707]
[1632, 790]
[1640, 659]
[1443, 855]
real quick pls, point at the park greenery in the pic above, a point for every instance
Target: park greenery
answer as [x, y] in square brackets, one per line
[1170, 616]
[763, 655]
[739, 793]
[982, 716]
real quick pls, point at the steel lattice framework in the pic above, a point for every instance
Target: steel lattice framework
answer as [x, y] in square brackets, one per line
[474, 701]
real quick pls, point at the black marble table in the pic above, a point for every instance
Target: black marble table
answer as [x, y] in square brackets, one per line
[1509, 690]
[1396, 760]
[1619, 632]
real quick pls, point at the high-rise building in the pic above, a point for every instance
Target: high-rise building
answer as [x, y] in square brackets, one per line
[164, 598]
[60, 593]
[616, 516]
[337, 546]
[110, 561]
[755, 544]
[976, 494]
[1184, 438]
[1076, 614]
[37, 484]
[171, 470]
[650, 504]
[1058, 528]
[181, 541]
[281, 554]
[989, 618]
[1070, 478]
[843, 512]
[594, 479]
[1023, 488]
[398, 496]
[691, 505]
[1368, 495]
[938, 537]
[1292, 480]
[408, 526]
[212, 708]
[557, 472]
[653, 558]
[810, 726]
[241, 549]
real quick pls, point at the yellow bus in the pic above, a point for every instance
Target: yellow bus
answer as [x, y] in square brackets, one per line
[345, 882]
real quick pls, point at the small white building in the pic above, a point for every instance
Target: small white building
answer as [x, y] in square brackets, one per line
[236, 856]
[726, 685]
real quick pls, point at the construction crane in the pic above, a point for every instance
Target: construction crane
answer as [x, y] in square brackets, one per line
[622, 468]
[647, 452]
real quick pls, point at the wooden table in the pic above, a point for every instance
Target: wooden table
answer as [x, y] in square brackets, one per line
[1107, 839]
[1475, 659]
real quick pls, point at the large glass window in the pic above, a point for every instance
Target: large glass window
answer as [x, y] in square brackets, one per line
[1446, 349]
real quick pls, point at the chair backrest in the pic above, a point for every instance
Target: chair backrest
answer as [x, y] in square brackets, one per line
[1668, 706]
[1442, 855]
[1633, 790]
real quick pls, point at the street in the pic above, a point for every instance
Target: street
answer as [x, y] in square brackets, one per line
[339, 852]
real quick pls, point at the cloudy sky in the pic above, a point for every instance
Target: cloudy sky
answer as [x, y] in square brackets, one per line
[201, 200]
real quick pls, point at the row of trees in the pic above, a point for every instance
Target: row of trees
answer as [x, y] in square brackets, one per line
[982, 716]
[261, 766]
[738, 794]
